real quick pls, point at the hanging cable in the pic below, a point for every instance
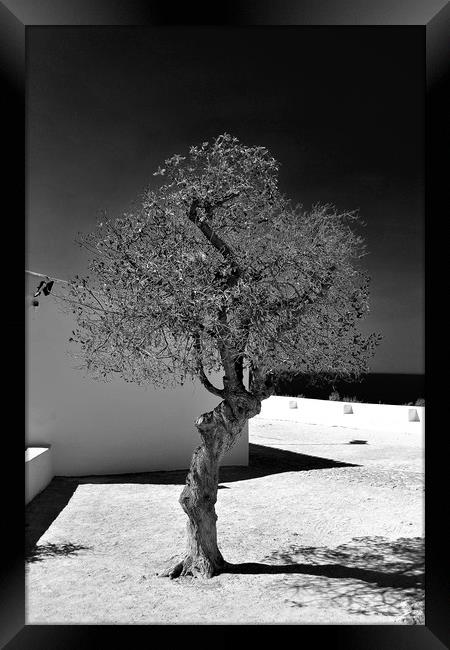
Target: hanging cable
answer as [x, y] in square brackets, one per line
[45, 286]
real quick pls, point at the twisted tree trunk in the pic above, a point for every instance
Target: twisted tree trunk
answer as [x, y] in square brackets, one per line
[219, 429]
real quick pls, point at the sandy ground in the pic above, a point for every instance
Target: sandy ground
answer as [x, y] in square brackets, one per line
[322, 532]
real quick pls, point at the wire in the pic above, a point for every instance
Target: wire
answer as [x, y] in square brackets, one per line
[48, 277]
[41, 275]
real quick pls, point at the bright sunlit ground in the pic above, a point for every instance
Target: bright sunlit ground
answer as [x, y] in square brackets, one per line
[322, 531]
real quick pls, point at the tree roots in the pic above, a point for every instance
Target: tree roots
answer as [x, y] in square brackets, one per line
[200, 568]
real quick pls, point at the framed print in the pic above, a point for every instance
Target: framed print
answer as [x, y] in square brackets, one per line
[307, 121]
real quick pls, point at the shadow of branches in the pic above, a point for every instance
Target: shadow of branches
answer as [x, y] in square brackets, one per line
[44, 551]
[369, 576]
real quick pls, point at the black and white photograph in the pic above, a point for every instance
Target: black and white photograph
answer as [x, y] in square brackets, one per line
[225, 345]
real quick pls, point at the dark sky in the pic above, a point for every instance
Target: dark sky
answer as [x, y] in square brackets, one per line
[341, 109]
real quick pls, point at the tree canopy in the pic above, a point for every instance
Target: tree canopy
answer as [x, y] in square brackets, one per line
[216, 270]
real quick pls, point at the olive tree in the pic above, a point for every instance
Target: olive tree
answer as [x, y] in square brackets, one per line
[216, 271]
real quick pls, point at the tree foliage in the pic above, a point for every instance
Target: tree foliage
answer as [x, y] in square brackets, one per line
[216, 270]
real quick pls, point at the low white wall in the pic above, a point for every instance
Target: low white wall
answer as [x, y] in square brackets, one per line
[105, 428]
[38, 471]
[382, 417]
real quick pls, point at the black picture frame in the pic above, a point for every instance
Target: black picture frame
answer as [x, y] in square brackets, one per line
[16, 16]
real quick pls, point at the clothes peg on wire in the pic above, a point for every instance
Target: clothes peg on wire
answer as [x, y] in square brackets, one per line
[47, 288]
[44, 286]
[39, 289]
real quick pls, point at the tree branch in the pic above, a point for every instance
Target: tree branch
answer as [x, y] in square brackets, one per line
[261, 384]
[300, 303]
[218, 243]
[233, 369]
[201, 371]
[228, 197]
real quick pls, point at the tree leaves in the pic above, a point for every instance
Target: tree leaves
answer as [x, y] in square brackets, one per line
[218, 252]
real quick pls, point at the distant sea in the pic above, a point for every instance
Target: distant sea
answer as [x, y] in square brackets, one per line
[374, 387]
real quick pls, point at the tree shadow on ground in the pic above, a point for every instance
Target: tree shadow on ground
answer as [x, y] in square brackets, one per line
[263, 461]
[369, 576]
[44, 551]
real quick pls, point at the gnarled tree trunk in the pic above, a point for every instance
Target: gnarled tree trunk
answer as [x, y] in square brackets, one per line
[218, 429]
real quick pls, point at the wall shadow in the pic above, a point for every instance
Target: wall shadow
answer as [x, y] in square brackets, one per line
[43, 510]
[46, 506]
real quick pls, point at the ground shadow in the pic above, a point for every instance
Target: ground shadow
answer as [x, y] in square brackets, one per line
[395, 579]
[263, 461]
[43, 510]
[370, 576]
[44, 551]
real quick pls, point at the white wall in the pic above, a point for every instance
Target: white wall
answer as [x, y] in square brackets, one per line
[101, 428]
[377, 417]
[38, 471]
